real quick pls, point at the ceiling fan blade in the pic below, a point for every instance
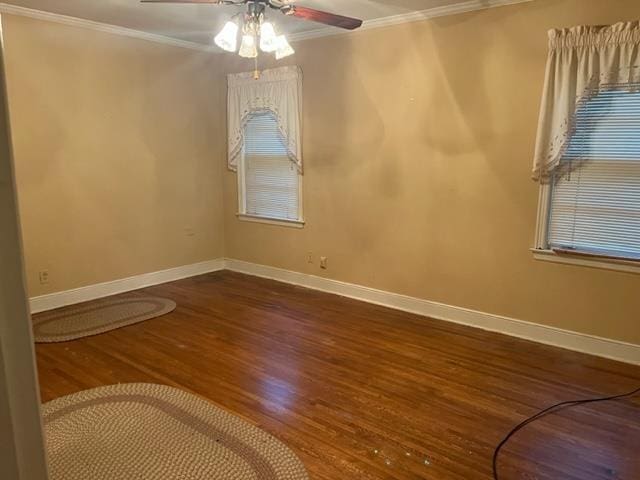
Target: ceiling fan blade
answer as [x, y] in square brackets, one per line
[323, 17]
[210, 2]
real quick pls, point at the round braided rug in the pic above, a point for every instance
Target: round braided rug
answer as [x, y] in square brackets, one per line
[143, 431]
[96, 317]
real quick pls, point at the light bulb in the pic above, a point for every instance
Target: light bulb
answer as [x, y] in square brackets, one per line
[268, 38]
[227, 39]
[283, 49]
[248, 47]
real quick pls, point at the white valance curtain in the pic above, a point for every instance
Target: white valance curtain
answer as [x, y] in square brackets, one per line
[583, 61]
[278, 91]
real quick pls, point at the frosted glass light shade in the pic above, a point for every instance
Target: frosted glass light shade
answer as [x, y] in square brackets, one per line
[268, 38]
[248, 48]
[227, 39]
[283, 49]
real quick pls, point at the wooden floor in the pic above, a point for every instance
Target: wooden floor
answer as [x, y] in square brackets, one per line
[364, 392]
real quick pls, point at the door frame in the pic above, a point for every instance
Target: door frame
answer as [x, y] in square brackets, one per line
[22, 451]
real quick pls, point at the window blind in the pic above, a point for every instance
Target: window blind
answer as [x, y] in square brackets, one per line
[596, 207]
[271, 178]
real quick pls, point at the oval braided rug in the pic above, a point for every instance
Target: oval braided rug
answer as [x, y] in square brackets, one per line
[143, 431]
[101, 316]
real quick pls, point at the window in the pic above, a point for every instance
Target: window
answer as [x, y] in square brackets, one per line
[592, 206]
[269, 182]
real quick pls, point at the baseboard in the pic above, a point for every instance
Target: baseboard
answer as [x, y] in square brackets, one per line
[91, 292]
[603, 347]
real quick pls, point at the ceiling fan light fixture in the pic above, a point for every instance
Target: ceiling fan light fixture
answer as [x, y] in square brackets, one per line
[227, 39]
[248, 48]
[283, 49]
[268, 37]
[257, 32]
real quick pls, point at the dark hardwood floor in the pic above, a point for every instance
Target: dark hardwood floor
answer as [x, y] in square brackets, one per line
[360, 391]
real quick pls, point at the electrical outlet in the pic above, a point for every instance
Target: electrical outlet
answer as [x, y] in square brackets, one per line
[44, 277]
[323, 262]
[309, 257]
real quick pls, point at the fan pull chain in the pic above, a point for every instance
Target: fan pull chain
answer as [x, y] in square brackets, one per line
[256, 72]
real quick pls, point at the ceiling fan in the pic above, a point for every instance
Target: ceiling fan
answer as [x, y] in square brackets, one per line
[257, 32]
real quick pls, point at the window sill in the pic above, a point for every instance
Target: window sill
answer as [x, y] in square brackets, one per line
[629, 266]
[270, 221]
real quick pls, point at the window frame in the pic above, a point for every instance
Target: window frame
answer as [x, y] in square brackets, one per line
[542, 251]
[242, 201]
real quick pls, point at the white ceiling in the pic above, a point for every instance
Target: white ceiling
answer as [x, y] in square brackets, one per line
[196, 23]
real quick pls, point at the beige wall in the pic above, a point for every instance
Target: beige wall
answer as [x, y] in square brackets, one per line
[417, 146]
[117, 149]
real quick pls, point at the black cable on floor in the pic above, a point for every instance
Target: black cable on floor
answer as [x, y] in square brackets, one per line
[542, 413]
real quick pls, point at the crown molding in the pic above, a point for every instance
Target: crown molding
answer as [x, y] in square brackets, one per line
[6, 8]
[445, 10]
[468, 6]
